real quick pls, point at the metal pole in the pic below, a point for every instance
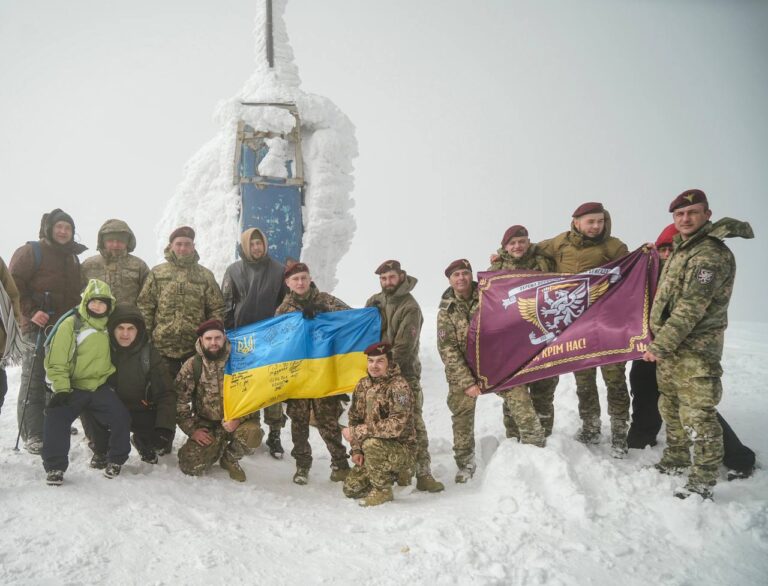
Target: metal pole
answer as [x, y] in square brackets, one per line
[269, 37]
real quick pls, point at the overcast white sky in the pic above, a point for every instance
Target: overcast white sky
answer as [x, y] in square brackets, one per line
[470, 116]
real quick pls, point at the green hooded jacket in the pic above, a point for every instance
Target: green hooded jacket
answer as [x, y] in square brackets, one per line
[81, 360]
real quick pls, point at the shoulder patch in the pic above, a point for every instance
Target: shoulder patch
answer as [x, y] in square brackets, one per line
[441, 334]
[705, 276]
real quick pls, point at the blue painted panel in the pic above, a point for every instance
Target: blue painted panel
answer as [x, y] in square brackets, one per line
[275, 209]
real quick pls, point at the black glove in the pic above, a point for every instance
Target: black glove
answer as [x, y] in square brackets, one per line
[163, 440]
[310, 311]
[60, 399]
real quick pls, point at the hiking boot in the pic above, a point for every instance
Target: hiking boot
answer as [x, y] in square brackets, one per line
[112, 470]
[669, 470]
[54, 477]
[99, 461]
[377, 496]
[740, 474]
[302, 476]
[404, 477]
[464, 474]
[339, 473]
[146, 453]
[684, 492]
[34, 446]
[236, 473]
[619, 447]
[426, 482]
[274, 445]
[589, 433]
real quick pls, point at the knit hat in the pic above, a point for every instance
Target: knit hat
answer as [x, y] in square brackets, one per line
[295, 268]
[458, 265]
[183, 232]
[388, 265]
[591, 207]
[666, 236]
[378, 349]
[211, 324]
[515, 231]
[689, 198]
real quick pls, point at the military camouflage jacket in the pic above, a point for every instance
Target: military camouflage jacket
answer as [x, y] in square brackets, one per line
[382, 408]
[401, 322]
[453, 319]
[532, 259]
[124, 273]
[323, 302]
[178, 296]
[690, 310]
[573, 252]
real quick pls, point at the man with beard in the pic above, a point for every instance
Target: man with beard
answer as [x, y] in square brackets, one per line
[200, 409]
[401, 322]
[115, 265]
[47, 274]
[253, 288]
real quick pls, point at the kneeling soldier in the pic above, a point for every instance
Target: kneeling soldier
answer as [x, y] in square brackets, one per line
[200, 409]
[381, 429]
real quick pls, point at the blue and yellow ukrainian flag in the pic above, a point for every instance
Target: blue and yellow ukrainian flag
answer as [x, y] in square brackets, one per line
[289, 357]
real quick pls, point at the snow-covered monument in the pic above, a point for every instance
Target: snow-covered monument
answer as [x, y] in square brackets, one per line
[282, 161]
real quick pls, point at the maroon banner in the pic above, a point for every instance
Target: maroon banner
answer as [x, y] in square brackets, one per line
[532, 325]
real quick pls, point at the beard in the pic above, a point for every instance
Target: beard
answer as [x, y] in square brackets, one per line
[214, 355]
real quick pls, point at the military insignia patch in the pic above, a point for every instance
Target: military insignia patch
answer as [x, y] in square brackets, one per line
[441, 334]
[705, 276]
[402, 399]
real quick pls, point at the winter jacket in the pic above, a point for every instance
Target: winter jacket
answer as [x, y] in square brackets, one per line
[401, 322]
[382, 408]
[124, 273]
[9, 285]
[252, 289]
[138, 388]
[178, 296]
[573, 252]
[323, 302]
[690, 310]
[58, 273]
[533, 259]
[453, 319]
[80, 359]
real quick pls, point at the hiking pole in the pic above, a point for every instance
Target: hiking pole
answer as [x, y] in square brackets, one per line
[38, 344]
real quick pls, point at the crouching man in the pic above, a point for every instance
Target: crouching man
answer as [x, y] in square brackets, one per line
[77, 366]
[381, 429]
[200, 409]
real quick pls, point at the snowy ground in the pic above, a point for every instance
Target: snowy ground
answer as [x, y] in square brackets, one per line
[566, 514]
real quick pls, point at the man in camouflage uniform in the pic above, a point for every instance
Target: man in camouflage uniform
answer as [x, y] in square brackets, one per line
[178, 294]
[518, 253]
[200, 409]
[587, 245]
[304, 296]
[115, 265]
[688, 321]
[381, 430]
[401, 322]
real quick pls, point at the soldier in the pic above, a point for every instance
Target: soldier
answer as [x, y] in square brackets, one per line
[11, 348]
[115, 265]
[47, 274]
[517, 253]
[78, 365]
[401, 322]
[178, 294]
[688, 321]
[587, 245]
[305, 297]
[200, 409]
[253, 288]
[381, 431]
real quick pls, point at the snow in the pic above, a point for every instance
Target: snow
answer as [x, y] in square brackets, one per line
[206, 198]
[565, 514]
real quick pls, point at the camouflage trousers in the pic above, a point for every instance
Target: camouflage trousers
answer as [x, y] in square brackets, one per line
[327, 412]
[462, 410]
[273, 416]
[618, 396]
[421, 455]
[690, 390]
[195, 459]
[529, 411]
[384, 459]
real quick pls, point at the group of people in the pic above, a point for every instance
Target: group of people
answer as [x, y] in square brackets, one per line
[136, 352]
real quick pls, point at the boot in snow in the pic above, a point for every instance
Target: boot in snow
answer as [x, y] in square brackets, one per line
[236, 473]
[54, 477]
[377, 496]
[274, 445]
[465, 473]
[589, 433]
[99, 461]
[112, 470]
[339, 473]
[302, 476]
[427, 482]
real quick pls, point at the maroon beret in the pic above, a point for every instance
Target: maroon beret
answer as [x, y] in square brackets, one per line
[457, 265]
[297, 267]
[666, 236]
[182, 231]
[211, 324]
[591, 207]
[388, 265]
[689, 198]
[513, 232]
[378, 349]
